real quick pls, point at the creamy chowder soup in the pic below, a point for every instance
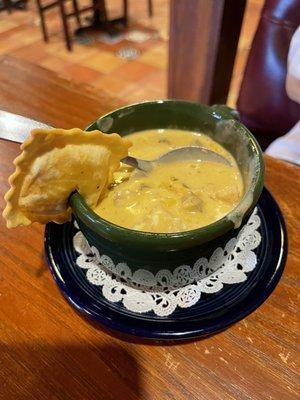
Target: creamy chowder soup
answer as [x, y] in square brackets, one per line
[173, 197]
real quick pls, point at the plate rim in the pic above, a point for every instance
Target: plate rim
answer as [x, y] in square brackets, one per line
[115, 325]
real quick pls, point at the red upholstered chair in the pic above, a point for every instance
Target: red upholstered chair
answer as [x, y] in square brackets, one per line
[263, 103]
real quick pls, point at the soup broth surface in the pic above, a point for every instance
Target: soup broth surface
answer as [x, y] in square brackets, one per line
[174, 197]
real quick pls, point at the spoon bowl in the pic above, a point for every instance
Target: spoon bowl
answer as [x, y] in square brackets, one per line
[190, 153]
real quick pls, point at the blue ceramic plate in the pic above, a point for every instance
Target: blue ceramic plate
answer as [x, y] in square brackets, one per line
[213, 313]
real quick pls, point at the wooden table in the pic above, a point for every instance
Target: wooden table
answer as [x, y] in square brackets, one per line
[47, 351]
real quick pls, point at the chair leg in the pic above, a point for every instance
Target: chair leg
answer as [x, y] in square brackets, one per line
[100, 14]
[77, 13]
[42, 19]
[44, 28]
[24, 5]
[150, 8]
[65, 24]
[7, 6]
[125, 12]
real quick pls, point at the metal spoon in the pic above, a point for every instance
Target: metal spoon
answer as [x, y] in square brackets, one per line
[16, 128]
[191, 153]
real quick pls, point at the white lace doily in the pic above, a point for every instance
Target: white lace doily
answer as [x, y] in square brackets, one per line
[163, 292]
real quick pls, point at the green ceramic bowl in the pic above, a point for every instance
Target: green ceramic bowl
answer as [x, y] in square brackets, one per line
[220, 123]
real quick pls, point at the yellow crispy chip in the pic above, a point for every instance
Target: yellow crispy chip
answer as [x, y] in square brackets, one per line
[54, 163]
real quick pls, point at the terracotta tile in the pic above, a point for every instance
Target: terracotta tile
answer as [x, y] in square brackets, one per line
[54, 28]
[145, 92]
[22, 16]
[142, 94]
[7, 24]
[33, 52]
[141, 47]
[26, 36]
[8, 45]
[135, 71]
[160, 19]
[157, 56]
[55, 63]
[113, 85]
[80, 73]
[159, 79]
[154, 40]
[5, 34]
[57, 47]
[129, 78]
[148, 44]
[112, 48]
[97, 64]
[103, 61]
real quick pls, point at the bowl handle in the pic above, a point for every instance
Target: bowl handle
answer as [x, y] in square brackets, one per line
[226, 112]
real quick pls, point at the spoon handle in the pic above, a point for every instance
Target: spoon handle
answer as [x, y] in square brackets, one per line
[143, 165]
[133, 162]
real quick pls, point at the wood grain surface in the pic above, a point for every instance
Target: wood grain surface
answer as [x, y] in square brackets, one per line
[38, 93]
[195, 28]
[202, 48]
[47, 351]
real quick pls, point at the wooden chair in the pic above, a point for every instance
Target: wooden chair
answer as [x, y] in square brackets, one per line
[100, 17]
[65, 16]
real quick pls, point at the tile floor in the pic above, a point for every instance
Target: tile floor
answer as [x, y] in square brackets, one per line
[97, 64]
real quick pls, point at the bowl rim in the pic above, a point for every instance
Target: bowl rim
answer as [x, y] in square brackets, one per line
[103, 227]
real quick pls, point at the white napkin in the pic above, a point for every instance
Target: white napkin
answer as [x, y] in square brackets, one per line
[287, 147]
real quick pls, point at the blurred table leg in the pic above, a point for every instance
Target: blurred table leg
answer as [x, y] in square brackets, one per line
[203, 42]
[100, 22]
